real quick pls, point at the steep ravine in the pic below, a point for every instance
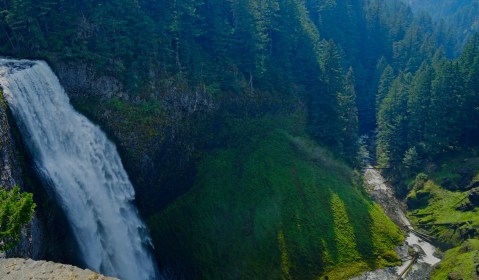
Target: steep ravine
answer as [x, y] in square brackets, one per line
[417, 254]
[179, 147]
[189, 126]
[171, 151]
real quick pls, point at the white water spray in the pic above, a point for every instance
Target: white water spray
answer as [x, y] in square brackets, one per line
[84, 169]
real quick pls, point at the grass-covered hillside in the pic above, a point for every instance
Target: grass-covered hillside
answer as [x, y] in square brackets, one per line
[444, 205]
[274, 205]
[459, 263]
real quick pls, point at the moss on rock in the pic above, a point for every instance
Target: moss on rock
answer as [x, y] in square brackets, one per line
[461, 262]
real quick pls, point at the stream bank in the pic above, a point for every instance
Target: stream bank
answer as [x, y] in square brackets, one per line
[417, 253]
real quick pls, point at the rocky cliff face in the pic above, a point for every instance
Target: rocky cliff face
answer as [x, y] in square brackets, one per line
[153, 163]
[11, 175]
[80, 79]
[158, 146]
[46, 236]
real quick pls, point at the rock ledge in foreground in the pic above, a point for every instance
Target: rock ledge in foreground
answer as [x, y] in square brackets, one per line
[19, 269]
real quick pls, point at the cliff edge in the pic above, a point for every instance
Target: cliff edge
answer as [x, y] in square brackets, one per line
[29, 269]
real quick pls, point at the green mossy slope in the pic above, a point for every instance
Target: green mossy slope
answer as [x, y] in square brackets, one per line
[273, 206]
[440, 206]
[435, 206]
[440, 216]
[460, 262]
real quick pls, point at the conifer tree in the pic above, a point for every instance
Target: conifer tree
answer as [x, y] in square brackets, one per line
[348, 121]
[324, 108]
[392, 123]
[418, 105]
[385, 82]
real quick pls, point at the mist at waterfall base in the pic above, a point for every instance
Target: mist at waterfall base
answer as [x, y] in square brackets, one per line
[84, 169]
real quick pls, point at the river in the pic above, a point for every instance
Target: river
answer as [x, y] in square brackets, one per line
[382, 193]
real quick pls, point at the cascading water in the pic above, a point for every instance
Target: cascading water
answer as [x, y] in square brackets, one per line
[84, 170]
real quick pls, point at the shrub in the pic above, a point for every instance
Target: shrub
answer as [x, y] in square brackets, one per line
[16, 210]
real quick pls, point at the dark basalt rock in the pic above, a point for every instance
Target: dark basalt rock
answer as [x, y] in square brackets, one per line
[473, 185]
[448, 184]
[454, 276]
[474, 197]
[468, 232]
[465, 206]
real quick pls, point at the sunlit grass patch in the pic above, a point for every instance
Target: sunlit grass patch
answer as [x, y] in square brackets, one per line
[264, 209]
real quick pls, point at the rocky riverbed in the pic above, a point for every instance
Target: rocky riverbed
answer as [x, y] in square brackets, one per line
[413, 245]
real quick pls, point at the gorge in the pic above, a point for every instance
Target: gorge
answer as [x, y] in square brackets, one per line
[238, 126]
[417, 254]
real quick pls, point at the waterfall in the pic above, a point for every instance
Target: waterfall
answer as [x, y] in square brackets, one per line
[84, 170]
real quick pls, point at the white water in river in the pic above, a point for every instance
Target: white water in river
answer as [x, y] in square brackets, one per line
[384, 195]
[84, 170]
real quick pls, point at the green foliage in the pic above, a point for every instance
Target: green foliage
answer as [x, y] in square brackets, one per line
[142, 122]
[16, 210]
[430, 113]
[411, 160]
[274, 205]
[420, 180]
[438, 210]
[240, 47]
[348, 118]
[363, 156]
[385, 82]
[333, 113]
[392, 123]
[461, 261]
[419, 194]
[288, 52]
[419, 109]
[458, 17]
[3, 102]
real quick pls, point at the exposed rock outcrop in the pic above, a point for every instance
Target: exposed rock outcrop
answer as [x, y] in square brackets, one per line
[474, 197]
[19, 269]
[79, 79]
[10, 174]
[166, 142]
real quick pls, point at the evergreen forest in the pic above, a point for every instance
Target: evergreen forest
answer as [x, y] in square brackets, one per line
[246, 128]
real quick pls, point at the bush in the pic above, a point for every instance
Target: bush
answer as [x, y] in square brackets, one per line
[16, 210]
